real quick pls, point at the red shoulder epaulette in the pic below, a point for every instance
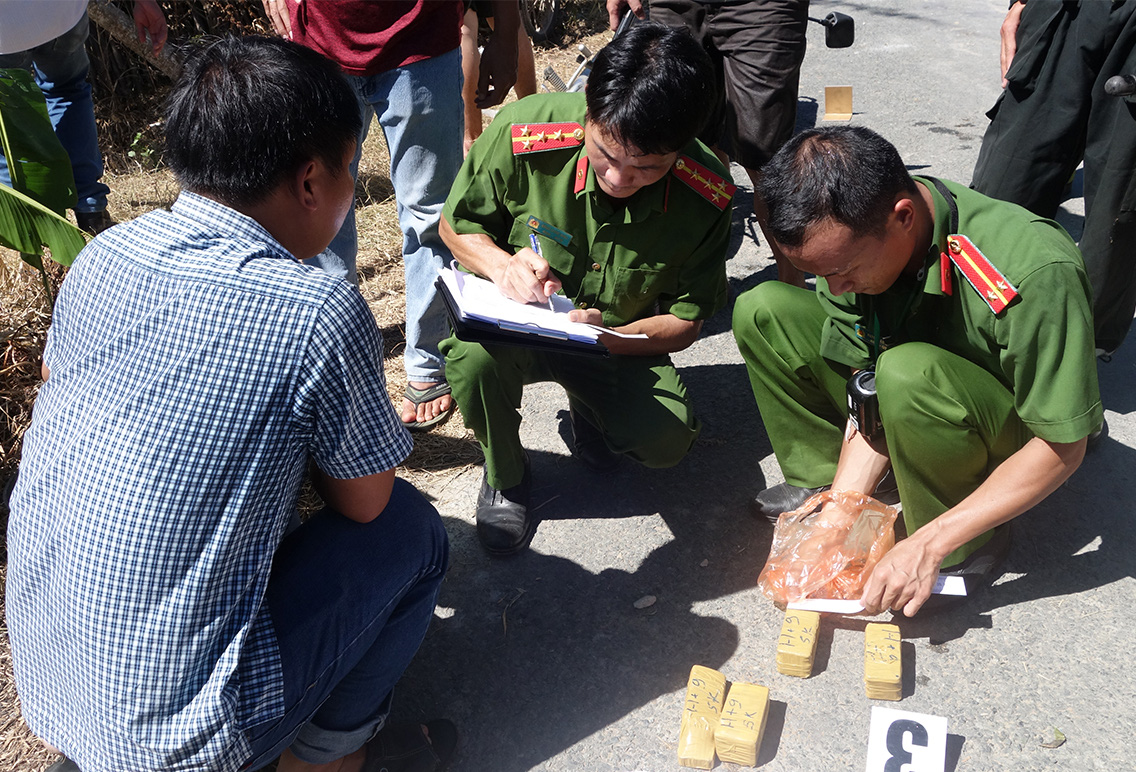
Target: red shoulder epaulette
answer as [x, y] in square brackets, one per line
[704, 182]
[987, 280]
[581, 178]
[535, 137]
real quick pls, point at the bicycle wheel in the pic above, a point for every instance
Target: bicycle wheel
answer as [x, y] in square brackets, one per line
[539, 18]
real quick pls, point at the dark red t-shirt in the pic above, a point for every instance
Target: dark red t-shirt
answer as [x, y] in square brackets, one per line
[369, 36]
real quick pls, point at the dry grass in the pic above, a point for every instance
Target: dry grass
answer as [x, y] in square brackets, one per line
[138, 188]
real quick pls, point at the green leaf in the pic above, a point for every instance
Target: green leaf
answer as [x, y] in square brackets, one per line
[37, 163]
[27, 226]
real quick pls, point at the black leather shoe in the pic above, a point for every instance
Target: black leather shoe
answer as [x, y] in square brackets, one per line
[771, 502]
[979, 569]
[63, 765]
[94, 223]
[504, 524]
[588, 444]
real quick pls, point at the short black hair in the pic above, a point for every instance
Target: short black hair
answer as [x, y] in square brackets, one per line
[848, 174]
[651, 88]
[246, 112]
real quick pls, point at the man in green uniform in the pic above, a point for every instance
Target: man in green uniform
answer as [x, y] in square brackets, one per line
[631, 216]
[975, 315]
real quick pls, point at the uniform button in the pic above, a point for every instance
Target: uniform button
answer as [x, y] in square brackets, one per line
[596, 266]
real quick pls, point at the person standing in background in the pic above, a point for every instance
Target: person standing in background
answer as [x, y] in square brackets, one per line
[1054, 112]
[757, 47]
[404, 61]
[50, 41]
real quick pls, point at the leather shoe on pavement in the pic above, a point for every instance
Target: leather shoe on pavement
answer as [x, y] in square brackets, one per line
[588, 444]
[64, 764]
[504, 524]
[404, 748]
[771, 502]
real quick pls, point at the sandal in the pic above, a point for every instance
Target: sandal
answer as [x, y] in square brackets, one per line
[421, 396]
[406, 748]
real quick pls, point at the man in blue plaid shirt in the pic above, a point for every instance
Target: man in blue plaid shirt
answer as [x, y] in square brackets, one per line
[161, 617]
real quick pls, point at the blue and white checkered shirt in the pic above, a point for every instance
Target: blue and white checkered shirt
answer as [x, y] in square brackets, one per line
[196, 367]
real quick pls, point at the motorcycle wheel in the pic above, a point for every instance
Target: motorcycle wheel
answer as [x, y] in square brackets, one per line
[539, 18]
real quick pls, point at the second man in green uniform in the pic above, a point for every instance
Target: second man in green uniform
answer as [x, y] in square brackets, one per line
[975, 315]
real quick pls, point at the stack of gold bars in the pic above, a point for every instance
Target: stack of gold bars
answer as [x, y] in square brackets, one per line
[705, 690]
[883, 663]
[796, 647]
[742, 724]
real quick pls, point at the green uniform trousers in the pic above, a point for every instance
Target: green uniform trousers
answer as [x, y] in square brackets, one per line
[1053, 114]
[639, 403]
[948, 422]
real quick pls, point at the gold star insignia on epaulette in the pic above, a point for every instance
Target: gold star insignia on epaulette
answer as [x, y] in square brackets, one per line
[554, 136]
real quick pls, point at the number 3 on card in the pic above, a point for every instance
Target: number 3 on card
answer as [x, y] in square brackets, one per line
[900, 741]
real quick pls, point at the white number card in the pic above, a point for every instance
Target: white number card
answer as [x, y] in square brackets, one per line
[906, 742]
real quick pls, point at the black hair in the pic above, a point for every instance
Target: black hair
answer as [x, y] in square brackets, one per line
[651, 88]
[848, 174]
[246, 112]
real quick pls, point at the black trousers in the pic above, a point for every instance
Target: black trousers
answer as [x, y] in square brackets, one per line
[1053, 114]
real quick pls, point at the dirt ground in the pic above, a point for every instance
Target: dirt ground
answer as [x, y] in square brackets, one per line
[24, 316]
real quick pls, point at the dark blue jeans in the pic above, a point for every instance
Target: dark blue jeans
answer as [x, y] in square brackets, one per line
[350, 603]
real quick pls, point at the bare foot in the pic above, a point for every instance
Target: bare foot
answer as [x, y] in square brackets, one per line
[427, 410]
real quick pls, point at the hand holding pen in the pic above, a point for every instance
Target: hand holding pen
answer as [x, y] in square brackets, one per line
[527, 277]
[536, 248]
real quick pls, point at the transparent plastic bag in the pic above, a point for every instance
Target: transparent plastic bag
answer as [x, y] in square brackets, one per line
[830, 558]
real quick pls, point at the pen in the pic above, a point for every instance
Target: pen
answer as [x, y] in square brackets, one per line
[536, 248]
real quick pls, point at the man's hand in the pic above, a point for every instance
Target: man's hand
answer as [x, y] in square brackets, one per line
[498, 68]
[903, 579]
[527, 278]
[277, 13]
[592, 316]
[148, 17]
[616, 9]
[1010, 38]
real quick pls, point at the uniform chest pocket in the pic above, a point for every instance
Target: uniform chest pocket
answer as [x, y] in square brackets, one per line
[559, 256]
[644, 283]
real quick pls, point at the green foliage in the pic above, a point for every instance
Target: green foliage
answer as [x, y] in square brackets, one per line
[27, 226]
[41, 167]
[42, 185]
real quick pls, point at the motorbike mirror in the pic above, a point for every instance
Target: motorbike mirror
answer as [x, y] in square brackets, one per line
[839, 29]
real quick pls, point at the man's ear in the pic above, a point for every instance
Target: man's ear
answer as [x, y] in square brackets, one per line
[903, 213]
[306, 184]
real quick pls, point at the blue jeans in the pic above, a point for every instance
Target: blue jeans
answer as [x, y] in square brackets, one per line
[60, 68]
[419, 108]
[350, 603]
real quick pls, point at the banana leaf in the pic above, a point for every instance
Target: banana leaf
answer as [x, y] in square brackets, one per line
[37, 163]
[27, 225]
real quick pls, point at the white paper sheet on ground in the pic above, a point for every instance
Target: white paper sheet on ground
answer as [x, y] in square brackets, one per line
[944, 585]
[480, 299]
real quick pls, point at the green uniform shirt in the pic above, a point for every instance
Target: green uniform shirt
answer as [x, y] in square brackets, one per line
[1040, 346]
[663, 250]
